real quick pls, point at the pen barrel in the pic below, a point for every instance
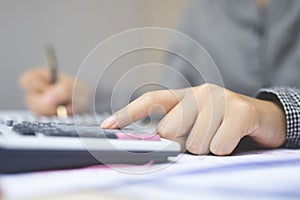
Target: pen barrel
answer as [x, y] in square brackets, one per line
[53, 77]
[51, 63]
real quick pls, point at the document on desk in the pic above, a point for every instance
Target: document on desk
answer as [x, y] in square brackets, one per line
[263, 174]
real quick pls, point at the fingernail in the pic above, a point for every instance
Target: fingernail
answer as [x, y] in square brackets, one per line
[108, 123]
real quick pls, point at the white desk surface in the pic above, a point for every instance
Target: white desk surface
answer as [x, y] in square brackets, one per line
[268, 174]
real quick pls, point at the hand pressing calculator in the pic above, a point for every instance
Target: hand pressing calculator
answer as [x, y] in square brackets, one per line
[40, 145]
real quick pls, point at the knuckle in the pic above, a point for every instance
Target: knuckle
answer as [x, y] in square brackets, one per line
[149, 97]
[210, 85]
[195, 146]
[209, 90]
[206, 87]
[124, 117]
[199, 89]
[165, 132]
[153, 97]
[222, 147]
[240, 106]
[194, 149]
[220, 151]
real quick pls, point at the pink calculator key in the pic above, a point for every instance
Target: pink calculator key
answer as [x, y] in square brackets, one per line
[137, 136]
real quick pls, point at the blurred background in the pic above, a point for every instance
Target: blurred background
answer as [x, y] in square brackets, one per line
[74, 27]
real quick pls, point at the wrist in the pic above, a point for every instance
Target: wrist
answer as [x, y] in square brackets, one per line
[271, 132]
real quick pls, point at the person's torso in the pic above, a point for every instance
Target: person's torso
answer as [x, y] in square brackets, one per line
[252, 48]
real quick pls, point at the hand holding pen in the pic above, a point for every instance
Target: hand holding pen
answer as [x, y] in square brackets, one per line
[48, 92]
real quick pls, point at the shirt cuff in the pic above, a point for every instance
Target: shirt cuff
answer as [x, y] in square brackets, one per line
[289, 99]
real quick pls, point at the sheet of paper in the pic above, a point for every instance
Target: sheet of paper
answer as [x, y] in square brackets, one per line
[270, 174]
[258, 175]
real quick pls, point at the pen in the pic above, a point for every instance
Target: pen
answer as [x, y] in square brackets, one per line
[51, 62]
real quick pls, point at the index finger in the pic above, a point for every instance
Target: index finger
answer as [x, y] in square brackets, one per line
[159, 102]
[35, 80]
